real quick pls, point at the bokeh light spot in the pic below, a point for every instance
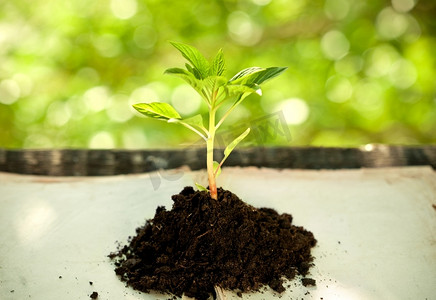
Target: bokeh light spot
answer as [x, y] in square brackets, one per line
[336, 9]
[25, 83]
[143, 94]
[335, 45]
[380, 59]
[403, 74]
[119, 110]
[37, 140]
[9, 91]
[261, 2]
[338, 89]
[185, 99]
[134, 138]
[242, 29]
[58, 114]
[97, 98]
[108, 45]
[152, 92]
[368, 147]
[295, 110]
[368, 93]
[102, 140]
[349, 65]
[390, 24]
[123, 9]
[403, 5]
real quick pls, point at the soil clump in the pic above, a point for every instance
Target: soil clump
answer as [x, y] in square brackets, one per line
[201, 243]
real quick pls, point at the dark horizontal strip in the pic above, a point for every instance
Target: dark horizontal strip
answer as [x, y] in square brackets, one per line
[77, 162]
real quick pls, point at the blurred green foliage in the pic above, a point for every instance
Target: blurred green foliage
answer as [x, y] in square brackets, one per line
[359, 71]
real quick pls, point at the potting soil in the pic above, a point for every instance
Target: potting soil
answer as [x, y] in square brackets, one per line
[201, 243]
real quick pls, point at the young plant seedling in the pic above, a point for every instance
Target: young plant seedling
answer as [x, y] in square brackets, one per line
[208, 79]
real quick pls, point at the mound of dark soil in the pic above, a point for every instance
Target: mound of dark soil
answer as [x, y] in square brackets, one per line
[202, 242]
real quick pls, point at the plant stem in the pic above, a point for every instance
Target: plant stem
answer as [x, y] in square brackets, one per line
[229, 111]
[224, 117]
[209, 158]
[194, 130]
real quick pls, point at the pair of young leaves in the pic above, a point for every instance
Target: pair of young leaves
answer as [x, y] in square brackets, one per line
[207, 78]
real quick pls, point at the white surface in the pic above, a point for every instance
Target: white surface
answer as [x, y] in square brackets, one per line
[376, 229]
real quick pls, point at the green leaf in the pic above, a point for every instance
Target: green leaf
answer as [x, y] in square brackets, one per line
[266, 74]
[190, 78]
[216, 168]
[213, 83]
[233, 144]
[187, 76]
[200, 187]
[178, 72]
[240, 92]
[189, 68]
[157, 110]
[218, 64]
[256, 75]
[242, 76]
[198, 61]
[238, 89]
[248, 81]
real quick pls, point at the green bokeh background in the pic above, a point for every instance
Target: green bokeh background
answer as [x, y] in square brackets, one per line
[359, 72]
